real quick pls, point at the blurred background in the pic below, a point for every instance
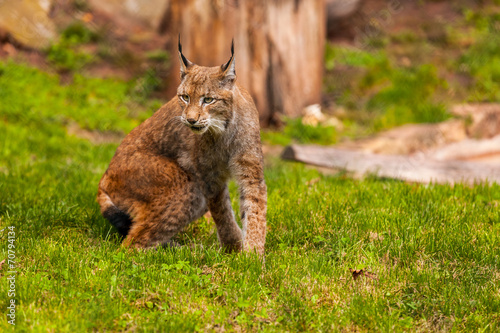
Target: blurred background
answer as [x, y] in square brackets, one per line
[345, 72]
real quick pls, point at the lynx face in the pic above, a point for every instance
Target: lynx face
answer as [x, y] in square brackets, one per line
[206, 95]
[205, 101]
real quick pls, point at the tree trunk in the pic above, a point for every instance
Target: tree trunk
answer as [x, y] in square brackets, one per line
[279, 47]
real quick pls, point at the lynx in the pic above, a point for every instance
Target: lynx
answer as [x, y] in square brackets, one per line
[174, 167]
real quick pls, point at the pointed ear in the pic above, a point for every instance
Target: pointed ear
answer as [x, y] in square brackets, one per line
[228, 69]
[185, 64]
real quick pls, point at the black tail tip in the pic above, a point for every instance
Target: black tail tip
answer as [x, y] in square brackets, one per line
[120, 220]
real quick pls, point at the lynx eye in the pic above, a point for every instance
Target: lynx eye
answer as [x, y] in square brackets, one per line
[208, 100]
[185, 98]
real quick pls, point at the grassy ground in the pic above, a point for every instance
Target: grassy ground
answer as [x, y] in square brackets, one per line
[432, 251]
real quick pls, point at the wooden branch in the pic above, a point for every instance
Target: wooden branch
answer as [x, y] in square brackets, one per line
[408, 168]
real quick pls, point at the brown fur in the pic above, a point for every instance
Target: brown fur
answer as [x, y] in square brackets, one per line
[175, 166]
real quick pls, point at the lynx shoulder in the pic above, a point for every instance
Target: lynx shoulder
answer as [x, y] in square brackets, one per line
[175, 166]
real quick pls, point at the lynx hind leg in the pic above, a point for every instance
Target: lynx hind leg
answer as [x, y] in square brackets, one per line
[169, 208]
[154, 193]
[156, 224]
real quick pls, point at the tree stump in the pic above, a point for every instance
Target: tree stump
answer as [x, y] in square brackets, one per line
[279, 47]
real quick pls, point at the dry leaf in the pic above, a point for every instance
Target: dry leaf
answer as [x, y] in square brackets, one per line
[356, 273]
[1, 263]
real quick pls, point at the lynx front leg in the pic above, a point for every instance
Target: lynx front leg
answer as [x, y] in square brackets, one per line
[228, 231]
[253, 203]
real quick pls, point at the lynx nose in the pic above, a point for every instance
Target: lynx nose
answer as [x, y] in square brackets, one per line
[192, 121]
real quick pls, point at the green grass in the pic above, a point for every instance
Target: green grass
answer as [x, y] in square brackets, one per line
[482, 60]
[434, 249]
[35, 97]
[66, 54]
[380, 94]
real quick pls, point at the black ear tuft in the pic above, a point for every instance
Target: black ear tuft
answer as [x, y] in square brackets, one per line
[228, 71]
[228, 67]
[185, 64]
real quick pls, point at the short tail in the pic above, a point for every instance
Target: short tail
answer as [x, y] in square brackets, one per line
[119, 219]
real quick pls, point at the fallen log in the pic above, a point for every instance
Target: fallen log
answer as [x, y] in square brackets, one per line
[407, 168]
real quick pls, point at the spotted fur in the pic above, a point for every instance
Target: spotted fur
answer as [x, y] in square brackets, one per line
[176, 165]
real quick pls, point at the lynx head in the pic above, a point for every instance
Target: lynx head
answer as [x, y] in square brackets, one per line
[206, 94]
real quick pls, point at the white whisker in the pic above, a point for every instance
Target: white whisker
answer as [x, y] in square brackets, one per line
[217, 125]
